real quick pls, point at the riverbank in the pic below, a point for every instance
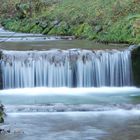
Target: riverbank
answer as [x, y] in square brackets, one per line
[101, 21]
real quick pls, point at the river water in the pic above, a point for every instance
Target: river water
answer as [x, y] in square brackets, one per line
[72, 114]
[67, 113]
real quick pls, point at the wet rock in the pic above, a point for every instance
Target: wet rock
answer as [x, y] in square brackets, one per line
[68, 37]
[9, 129]
[1, 113]
[43, 25]
[56, 22]
[1, 130]
[18, 130]
[136, 64]
[4, 130]
[1, 107]
[98, 29]
[60, 107]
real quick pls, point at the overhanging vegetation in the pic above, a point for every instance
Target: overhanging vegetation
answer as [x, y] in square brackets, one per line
[101, 20]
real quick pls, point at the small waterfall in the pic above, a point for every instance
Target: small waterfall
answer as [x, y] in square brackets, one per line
[66, 68]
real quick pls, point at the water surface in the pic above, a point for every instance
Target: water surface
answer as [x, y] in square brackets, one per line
[72, 114]
[67, 113]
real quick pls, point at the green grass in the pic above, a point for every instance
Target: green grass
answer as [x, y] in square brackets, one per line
[101, 20]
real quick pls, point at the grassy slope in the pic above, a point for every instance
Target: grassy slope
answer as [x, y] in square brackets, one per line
[100, 20]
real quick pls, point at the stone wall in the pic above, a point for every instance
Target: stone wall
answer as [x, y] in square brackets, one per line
[136, 65]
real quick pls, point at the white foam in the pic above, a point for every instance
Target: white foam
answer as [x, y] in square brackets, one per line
[69, 91]
[119, 112]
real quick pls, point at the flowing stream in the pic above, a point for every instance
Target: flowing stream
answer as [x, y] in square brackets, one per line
[66, 68]
[72, 114]
[69, 94]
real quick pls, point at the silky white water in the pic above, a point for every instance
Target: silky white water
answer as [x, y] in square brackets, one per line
[66, 68]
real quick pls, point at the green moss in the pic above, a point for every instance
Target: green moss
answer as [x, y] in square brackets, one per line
[88, 32]
[84, 31]
[11, 24]
[120, 31]
[25, 26]
[1, 119]
[36, 29]
[46, 30]
[78, 30]
[61, 29]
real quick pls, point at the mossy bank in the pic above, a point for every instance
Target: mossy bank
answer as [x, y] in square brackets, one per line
[100, 20]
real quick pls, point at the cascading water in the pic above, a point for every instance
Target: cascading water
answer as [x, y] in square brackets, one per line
[66, 68]
[76, 111]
